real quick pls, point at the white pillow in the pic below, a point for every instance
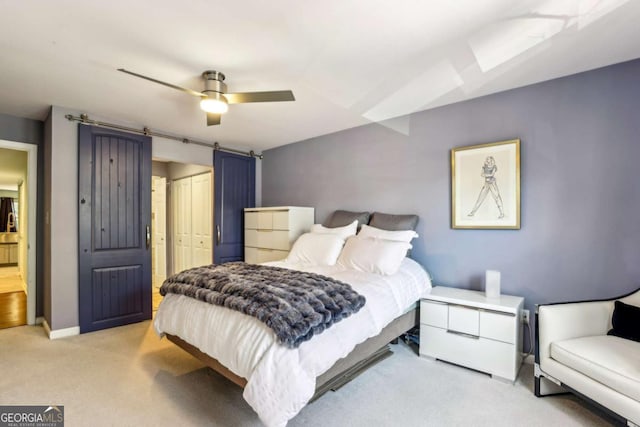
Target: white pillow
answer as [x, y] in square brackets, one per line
[373, 255]
[344, 232]
[316, 249]
[378, 233]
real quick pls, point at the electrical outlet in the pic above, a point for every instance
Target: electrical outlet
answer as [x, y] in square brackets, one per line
[525, 317]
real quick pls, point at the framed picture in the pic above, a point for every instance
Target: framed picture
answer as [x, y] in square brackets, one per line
[485, 185]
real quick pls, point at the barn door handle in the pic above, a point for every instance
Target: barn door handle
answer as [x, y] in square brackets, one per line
[218, 234]
[148, 236]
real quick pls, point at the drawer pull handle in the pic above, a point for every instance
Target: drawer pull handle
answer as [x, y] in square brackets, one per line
[475, 337]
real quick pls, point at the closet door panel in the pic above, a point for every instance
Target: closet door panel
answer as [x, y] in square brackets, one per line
[201, 196]
[182, 224]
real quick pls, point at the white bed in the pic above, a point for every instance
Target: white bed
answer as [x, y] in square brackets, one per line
[280, 381]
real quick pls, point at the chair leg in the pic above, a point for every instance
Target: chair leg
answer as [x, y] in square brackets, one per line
[543, 386]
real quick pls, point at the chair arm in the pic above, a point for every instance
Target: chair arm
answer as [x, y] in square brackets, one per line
[556, 322]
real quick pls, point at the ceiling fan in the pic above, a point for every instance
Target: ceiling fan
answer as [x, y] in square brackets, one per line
[214, 98]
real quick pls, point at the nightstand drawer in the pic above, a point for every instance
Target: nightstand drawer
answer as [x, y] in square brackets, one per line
[464, 319]
[434, 313]
[481, 354]
[480, 333]
[497, 326]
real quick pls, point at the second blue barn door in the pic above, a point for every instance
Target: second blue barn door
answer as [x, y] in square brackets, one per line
[235, 189]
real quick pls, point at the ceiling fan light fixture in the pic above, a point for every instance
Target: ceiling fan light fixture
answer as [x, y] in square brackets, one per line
[215, 100]
[214, 104]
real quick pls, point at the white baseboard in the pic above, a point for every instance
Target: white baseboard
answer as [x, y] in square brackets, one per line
[60, 333]
[39, 320]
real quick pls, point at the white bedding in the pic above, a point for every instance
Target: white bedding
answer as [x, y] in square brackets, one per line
[280, 381]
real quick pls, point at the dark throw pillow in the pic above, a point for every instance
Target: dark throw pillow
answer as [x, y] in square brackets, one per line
[626, 321]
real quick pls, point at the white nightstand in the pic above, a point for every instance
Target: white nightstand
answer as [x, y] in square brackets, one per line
[466, 328]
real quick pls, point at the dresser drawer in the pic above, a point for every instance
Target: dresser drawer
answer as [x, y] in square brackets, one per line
[251, 220]
[260, 255]
[497, 326]
[269, 232]
[251, 237]
[265, 220]
[434, 313]
[267, 239]
[250, 255]
[276, 239]
[281, 220]
[464, 319]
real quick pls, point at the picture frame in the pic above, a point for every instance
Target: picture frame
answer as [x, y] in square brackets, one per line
[485, 186]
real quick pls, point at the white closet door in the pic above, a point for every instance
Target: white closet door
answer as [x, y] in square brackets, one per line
[159, 227]
[201, 196]
[182, 212]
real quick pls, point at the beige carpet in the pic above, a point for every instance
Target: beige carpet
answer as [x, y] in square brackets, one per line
[127, 377]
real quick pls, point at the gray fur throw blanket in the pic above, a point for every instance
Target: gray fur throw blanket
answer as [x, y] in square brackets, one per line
[296, 305]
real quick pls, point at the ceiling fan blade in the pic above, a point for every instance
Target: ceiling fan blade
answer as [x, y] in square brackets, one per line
[183, 89]
[269, 96]
[213, 119]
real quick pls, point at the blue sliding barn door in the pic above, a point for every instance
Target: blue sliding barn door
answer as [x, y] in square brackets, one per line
[114, 214]
[235, 189]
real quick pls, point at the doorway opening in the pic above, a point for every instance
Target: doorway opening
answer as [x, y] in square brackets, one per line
[18, 167]
[181, 220]
[158, 236]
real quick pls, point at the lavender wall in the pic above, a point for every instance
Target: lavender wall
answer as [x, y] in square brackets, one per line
[580, 171]
[30, 131]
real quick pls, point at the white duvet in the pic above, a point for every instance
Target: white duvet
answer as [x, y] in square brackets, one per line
[280, 381]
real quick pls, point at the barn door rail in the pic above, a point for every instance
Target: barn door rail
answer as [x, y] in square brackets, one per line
[84, 118]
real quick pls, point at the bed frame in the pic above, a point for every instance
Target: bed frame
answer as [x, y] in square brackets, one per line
[363, 356]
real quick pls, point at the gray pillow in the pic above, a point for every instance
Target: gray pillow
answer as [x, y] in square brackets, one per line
[393, 222]
[342, 218]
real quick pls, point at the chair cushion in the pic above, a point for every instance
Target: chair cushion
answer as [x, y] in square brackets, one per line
[612, 361]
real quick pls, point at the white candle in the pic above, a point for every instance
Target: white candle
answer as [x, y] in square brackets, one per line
[492, 284]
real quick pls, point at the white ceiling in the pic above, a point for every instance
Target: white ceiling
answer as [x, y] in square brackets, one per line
[348, 62]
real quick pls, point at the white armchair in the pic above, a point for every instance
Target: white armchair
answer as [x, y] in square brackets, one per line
[574, 353]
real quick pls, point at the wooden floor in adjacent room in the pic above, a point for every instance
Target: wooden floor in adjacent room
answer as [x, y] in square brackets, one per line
[10, 280]
[13, 309]
[13, 299]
